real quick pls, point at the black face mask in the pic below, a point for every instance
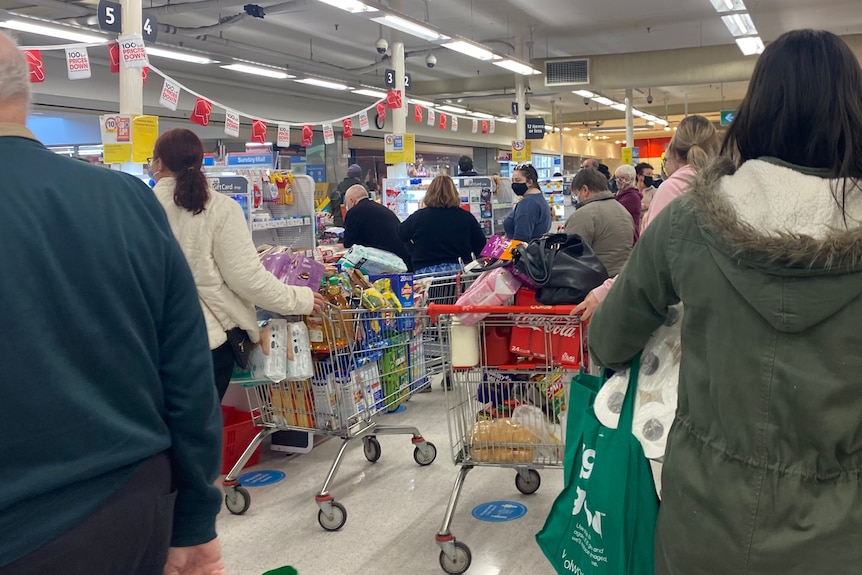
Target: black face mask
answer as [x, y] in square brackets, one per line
[520, 188]
[648, 181]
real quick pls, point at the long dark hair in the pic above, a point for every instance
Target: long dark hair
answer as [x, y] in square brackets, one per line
[530, 174]
[182, 153]
[804, 106]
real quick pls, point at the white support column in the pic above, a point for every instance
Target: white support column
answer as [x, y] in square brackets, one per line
[630, 119]
[521, 130]
[131, 82]
[399, 115]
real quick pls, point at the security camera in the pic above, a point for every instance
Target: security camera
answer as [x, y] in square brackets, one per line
[589, 137]
[430, 60]
[527, 106]
[586, 101]
[382, 46]
[649, 99]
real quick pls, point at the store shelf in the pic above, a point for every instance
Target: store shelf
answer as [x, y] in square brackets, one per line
[503, 206]
[293, 222]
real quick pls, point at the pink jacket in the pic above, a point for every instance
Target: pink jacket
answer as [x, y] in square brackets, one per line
[672, 188]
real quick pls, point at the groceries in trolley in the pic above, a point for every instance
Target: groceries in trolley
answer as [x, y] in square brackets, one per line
[656, 400]
[372, 261]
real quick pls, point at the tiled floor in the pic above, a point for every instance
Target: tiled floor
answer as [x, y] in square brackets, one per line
[394, 509]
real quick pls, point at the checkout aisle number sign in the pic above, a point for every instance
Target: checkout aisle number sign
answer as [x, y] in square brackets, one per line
[389, 80]
[111, 20]
[727, 117]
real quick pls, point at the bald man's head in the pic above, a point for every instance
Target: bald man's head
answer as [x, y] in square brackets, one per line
[354, 195]
[14, 82]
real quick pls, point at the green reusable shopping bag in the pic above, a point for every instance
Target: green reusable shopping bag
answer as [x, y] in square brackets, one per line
[603, 522]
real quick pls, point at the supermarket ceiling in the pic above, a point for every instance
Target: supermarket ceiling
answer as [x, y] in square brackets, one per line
[652, 46]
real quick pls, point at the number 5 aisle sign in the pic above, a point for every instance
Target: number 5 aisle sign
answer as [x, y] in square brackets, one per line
[111, 20]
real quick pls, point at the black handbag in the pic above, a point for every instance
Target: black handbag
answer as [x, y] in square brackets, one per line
[241, 345]
[565, 268]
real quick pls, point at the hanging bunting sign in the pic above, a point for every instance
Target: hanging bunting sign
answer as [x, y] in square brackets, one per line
[363, 122]
[475, 128]
[283, 140]
[347, 128]
[114, 53]
[381, 111]
[307, 135]
[484, 126]
[201, 113]
[170, 97]
[432, 117]
[37, 68]
[443, 121]
[417, 113]
[492, 126]
[328, 134]
[231, 123]
[258, 131]
[393, 99]
[454, 123]
[132, 51]
[78, 63]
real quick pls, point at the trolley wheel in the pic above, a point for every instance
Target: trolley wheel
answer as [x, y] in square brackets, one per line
[372, 449]
[447, 383]
[238, 501]
[460, 563]
[426, 456]
[529, 485]
[335, 520]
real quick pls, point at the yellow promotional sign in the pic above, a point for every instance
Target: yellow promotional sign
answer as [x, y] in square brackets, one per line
[628, 155]
[522, 150]
[145, 132]
[116, 130]
[400, 148]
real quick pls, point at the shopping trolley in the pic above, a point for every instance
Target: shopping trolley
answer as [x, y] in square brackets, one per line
[441, 288]
[510, 374]
[369, 363]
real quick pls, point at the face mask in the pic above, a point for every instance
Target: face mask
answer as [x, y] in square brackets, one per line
[648, 181]
[520, 188]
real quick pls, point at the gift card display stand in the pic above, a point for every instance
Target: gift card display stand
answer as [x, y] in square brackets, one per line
[278, 205]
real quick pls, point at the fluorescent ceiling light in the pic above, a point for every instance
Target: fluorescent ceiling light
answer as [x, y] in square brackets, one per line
[481, 115]
[584, 93]
[425, 103]
[567, 129]
[259, 71]
[639, 114]
[370, 93]
[453, 109]
[410, 27]
[352, 6]
[181, 56]
[471, 50]
[728, 5]
[739, 24]
[517, 67]
[507, 120]
[67, 33]
[322, 83]
[620, 107]
[662, 122]
[750, 46]
[603, 101]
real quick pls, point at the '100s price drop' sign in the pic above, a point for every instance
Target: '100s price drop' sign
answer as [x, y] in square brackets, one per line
[132, 51]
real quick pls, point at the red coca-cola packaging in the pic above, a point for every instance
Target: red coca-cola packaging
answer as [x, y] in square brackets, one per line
[535, 335]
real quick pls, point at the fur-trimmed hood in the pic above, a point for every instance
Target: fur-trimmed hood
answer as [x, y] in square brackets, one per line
[767, 211]
[779, 236]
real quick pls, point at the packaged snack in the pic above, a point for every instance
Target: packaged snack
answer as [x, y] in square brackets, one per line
[502, 441]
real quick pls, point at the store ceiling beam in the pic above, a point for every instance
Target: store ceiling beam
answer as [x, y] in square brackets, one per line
[606, 114]
[184, 7]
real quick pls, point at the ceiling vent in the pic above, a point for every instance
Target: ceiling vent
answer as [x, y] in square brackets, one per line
[569, 72]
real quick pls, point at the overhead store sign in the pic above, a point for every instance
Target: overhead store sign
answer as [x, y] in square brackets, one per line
[522, 151]
[535, 128]
[242, 160]
[727, 117]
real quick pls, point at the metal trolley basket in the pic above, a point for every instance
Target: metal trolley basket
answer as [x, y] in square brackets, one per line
[368, 363]
[504, 410]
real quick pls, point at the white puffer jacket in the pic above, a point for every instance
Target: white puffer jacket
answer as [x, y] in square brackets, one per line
[224, 262]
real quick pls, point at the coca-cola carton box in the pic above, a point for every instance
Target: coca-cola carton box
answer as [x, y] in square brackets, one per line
[536, 336]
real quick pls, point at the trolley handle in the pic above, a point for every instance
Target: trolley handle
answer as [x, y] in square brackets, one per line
[436, 310]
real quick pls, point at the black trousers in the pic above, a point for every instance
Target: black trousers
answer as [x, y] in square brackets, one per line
[223, 360]
[128, 535]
